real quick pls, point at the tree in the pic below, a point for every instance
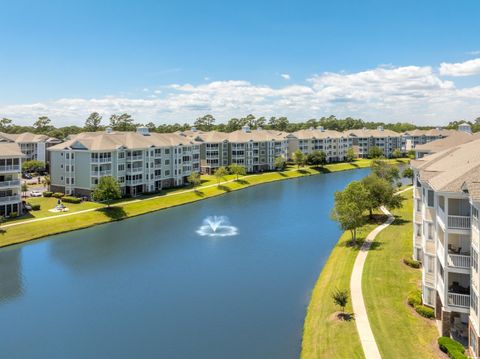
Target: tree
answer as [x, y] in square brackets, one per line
[384, 170]
[340, 298]
[317, 158]
[5, 124]
[42, 124]
[107, 190]
[195, 180]
[350, 156]
[92, 123]
[205, 123]
[33, 166]
[380, 193]
[375, 152]
[24, 188]
[411, 154]
[408, 173]
[279, 163]
[220, 174]
[298, 158]
[123, 122]
[237, 170]
[46, 181]
[349, 207]
[397, 153]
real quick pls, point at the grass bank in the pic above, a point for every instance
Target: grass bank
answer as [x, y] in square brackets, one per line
[324, 335]
[399, 331]
[28, 229]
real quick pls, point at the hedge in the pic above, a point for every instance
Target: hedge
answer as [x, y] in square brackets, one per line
[414, 298]
[35, 206]
[70, 199]
[58, 195]
[411, 262]
[454, 349]
[425, 311]
[47, 194]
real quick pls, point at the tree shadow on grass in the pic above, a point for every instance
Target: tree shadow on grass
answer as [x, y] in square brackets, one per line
[114, 213]
[400, 222]
[322, 169]
[242, 181]
[225, 188]
[346, 317]
[303, 172]
[282, 174]
[199, 193]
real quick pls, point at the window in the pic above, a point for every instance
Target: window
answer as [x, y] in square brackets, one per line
[430, 230]
[474, 301]
[430, 264]
[430, 198]
[474, 259]
[474, 212]
[473, 340]
[167, 151]
[121, 167]
[167, 173]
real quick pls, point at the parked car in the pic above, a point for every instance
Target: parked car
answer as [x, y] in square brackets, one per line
[26, 176]
[35, 194]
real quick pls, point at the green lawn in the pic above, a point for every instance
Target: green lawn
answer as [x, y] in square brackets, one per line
[398, 330]
[324, 336]
[144, 204]
[48, 203]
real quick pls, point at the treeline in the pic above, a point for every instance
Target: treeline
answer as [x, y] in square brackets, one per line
[125, 122]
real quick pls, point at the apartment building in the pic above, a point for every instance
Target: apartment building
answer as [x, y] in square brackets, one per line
[364, 139]
[411, 139]
[256, 150]
[446, 238]
[10, 179]
[333, 143]
[140, 161]
[33, 146]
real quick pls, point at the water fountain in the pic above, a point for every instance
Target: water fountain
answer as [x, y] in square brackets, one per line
[217, 226]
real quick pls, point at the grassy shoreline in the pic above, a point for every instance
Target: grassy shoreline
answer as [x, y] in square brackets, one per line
[386, 282]
[26, 231]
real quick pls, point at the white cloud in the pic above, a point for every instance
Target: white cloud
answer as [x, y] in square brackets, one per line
[476, 52]
[285, 76]
[386, 93]
[467, 68]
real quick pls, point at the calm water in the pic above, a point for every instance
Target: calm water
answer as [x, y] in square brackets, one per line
[151, 287]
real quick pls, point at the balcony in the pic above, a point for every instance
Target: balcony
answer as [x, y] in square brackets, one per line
[135, 158]
[459, 222]
[102, 160]
[13, 183]
[458, 300]
[12, 168]
[101, 173]
[134, 182]
[458, 261]
[7, 199]
[135, 170]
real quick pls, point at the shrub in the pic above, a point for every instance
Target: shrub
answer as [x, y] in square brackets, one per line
[425, 311]
[411, 262]
[47, 194]
[454, 349]
[58, 195]
[13, 214]
[35, 206]
[414, 298]
[70, 199]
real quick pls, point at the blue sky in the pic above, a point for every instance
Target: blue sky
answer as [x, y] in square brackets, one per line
[176, 60]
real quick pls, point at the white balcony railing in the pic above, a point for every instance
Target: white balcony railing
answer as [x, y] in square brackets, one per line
[14, 198]
[459, 261]
[102, 160]
[13, 183]
[135, 158]
[458, 222]
[135, 169]
[101, 173]
[458, 300]
[13, 168]
[134, 182]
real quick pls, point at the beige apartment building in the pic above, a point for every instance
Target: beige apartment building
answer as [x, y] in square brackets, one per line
[33, 146]
[333, 143]
[362, 140]
[256, 150]
[446, 238]
[10, 179]
[140, 161]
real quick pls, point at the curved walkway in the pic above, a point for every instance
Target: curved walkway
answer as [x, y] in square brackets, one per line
[364, 330]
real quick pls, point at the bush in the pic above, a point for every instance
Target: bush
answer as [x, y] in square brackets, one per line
[47, 194]
[425, 311]
[411, 262]
[454, 349]
[13, 214]
[35, 206]
[58, 195]
[70, 199]
[414, 298]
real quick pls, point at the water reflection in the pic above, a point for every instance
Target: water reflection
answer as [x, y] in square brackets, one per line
[11, 282]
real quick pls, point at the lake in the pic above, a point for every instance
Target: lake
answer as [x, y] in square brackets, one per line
[151, 287]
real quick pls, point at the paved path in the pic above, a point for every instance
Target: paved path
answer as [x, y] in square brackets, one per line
[364, 330]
